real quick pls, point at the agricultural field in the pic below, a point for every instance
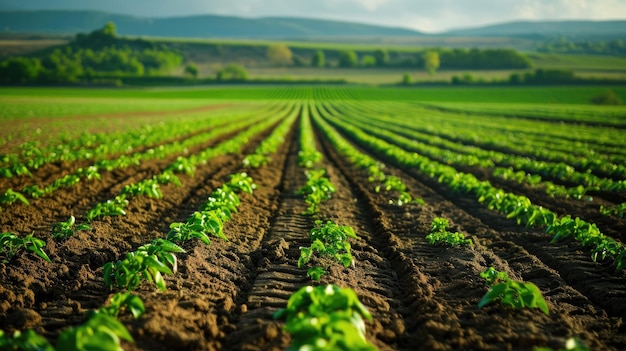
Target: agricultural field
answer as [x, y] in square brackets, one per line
[259, 218]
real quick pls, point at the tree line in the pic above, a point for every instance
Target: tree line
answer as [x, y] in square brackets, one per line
[89, 57]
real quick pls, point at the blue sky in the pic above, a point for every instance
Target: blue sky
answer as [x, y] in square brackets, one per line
[425, 15]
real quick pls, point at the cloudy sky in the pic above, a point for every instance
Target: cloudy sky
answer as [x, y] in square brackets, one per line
[425, 15]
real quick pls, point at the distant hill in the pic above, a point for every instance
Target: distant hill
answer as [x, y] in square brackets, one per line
[571, 29]
[215, 26]
[201, 26]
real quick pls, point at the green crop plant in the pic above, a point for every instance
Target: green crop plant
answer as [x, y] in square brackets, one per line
[198, 226]
[256, 160]
[64, 230]
[325, 318]
[318, 188]
[315, 273]
[28, 340]
[123, 301]
[241, 182]
[146, 187]
[511, 293]
[113, 207]
[617, 210]
[148, 262]
[308, 158]
[89, 173]
[182, 165]
[440, 235]
[34, 191]
[10, 196]
[11, 244]
[100, 332]
[329, 239]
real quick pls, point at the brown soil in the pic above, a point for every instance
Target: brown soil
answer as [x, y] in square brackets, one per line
[223, 295]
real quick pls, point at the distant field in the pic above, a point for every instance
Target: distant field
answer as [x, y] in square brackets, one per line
[505, 94]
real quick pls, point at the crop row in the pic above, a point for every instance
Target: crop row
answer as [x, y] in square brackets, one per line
[513, 206]
[442, 145]
[150, 187]
[125, 161]
[98, 146]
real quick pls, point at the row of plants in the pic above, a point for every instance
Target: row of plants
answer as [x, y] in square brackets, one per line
[97, 146]
[268, 146]
[323, 317]
[125, 161]
[513, 206]
[454, 153]
[360, 160]
[150, 187]
[556, 142]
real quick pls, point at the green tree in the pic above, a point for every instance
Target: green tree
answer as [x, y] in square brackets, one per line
[232, 72]
[382, 57]
[192, 70]
[20, 70]
[279, 54]
[407, 79]
[368, 61]
[348, 58]
[431, 61]
[109, 29]
[318, 59]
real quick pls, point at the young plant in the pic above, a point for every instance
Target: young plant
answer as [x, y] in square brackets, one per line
[10, 196]
[100, 332]
[28, 340]
[64, 230]
[326, 318]
[440, 235]
[199, 226]
[113, 207]
[330, 240]
[318, 188]
[315, 273]
[149, 262]
[11, 244]
[256, 160]
[123, 301]
[511, 293]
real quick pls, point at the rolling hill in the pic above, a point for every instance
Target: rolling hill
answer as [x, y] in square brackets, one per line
[201, 26]
[217, 26]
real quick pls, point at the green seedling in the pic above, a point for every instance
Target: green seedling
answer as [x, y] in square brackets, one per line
[315, 273]
[101, 332]
[318, 188]
[200, 225]
[326, 318]
[256, 160]
[28, 340]
[10, 196]
[511, 293]
[330, 240]
[11, 244]
[34, 191]
[308, 158]
[121, 302]
[113, 207]
[147, 187]
[148, 262]
[241, 182]
[440, 235]
[64, 230]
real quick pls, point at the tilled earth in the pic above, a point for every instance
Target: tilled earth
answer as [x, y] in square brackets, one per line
[223, 295]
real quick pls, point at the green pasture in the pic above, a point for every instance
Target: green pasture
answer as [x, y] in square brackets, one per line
[52, 102]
